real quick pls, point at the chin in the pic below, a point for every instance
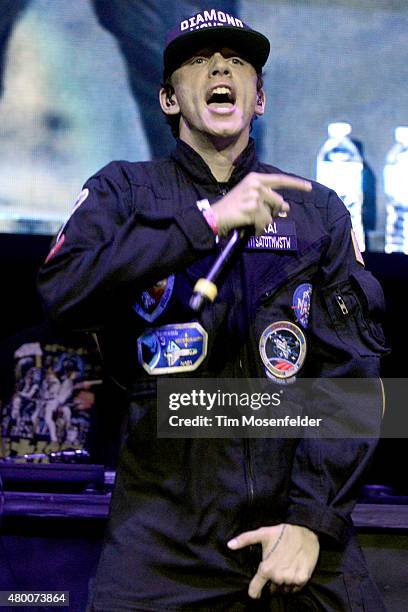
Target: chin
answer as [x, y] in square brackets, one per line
[225, 131]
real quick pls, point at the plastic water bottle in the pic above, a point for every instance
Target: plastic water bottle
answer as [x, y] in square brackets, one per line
[340, 167]
[396, 190]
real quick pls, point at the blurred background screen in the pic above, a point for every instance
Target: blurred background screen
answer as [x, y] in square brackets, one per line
[79, 83]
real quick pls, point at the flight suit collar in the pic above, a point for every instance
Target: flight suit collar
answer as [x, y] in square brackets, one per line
[194, 165]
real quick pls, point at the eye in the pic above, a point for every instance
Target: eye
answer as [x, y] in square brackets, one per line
[198, 60]
[237, 60]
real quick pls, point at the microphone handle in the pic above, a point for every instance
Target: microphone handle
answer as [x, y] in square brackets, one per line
[205, 288]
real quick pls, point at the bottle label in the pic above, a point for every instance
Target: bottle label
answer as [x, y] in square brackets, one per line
[396, 182]
[345, 178]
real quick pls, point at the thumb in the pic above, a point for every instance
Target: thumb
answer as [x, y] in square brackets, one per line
[246, 539]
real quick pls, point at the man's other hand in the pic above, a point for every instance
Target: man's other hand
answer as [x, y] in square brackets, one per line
[289, 556]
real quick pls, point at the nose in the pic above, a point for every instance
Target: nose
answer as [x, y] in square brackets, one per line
[218, 65]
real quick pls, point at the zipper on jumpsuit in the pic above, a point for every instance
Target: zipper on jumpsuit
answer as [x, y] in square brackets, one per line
[248, 455]
[248, 462]
[249, 465]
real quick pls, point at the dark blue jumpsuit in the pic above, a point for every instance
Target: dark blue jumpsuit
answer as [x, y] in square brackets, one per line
[178, 501]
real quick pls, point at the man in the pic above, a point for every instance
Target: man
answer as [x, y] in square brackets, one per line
[213, 524]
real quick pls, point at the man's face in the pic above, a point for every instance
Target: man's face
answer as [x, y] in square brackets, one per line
[216, 95]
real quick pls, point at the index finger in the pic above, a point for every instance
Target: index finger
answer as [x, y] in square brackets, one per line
[279, 181]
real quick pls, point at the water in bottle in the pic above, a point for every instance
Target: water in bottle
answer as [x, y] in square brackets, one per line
[396, 190]
[340, 167]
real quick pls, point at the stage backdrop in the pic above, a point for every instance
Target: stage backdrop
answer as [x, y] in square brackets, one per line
[79, 83]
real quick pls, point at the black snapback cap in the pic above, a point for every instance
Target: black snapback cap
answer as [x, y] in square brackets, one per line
[209, 28]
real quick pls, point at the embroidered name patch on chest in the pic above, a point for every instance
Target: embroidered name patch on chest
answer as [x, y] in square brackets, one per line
[280, 235]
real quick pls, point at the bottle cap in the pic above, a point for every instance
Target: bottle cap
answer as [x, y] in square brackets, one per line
[401, 134]
[339, 129]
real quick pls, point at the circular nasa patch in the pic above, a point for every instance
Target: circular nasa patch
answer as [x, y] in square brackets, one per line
[283, 349]
[301, 303]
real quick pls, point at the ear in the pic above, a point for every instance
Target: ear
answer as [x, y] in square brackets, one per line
[260, 102]
[169, 105]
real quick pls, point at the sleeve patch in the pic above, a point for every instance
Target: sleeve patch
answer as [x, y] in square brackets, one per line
[80, 200]
[55, 248]
[357, 251]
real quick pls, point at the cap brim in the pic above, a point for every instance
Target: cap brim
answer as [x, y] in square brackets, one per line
[252, 46]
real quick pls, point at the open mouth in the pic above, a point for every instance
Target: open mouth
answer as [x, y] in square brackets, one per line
[221, 97]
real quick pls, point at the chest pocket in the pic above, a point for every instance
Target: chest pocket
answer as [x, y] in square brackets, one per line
[356, 307]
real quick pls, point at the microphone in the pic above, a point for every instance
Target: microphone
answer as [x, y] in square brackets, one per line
[205, 289]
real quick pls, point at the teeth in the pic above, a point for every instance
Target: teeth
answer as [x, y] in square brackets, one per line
[221, 90]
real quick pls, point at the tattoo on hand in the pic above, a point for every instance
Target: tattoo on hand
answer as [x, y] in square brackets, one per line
[275, 546]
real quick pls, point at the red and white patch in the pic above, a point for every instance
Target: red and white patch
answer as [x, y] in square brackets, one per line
[55, 248]
[152, 302]
[357, 251]
[80, 200]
